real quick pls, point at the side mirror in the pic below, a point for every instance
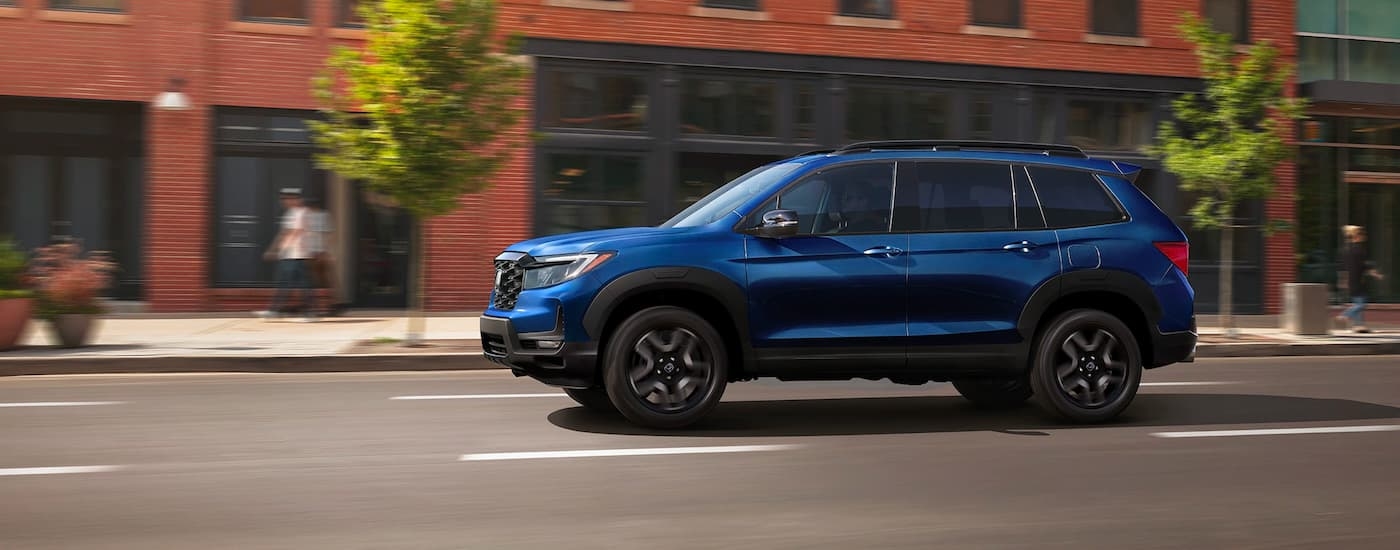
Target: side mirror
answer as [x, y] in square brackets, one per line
[777, 224]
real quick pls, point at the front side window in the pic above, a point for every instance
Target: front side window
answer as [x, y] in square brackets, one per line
[868, 8]
[85, 5]
[996, 13]
[844, 200]
[722, 202]
[273, 11]
[957, 196]
[1115, 17]
[1073, 198]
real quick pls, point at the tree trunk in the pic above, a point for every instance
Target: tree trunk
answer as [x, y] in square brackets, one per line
[1227, 294]
[417, 267]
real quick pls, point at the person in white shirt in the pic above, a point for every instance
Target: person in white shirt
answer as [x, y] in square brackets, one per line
[292, 251]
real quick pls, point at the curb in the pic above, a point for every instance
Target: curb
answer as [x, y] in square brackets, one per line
[33, 366]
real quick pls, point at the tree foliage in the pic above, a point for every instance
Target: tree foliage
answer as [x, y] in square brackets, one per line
[418, 114]
[1226, 141]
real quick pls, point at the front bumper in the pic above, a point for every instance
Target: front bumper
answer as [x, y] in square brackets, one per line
[1174, 347]
[544, 356]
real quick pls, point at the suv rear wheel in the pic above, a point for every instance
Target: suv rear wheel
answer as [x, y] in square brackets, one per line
[665, 367]
[1087, 367]
[995, 393]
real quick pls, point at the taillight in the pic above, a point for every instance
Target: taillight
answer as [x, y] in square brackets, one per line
[1179, 253]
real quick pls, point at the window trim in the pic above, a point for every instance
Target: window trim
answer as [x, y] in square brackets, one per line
[1019, 23]
[239, 15]
[49, 5]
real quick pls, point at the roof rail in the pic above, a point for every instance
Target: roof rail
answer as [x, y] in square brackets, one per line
[957, 145]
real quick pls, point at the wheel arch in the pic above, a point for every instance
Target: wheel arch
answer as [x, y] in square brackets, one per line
[1118, 293]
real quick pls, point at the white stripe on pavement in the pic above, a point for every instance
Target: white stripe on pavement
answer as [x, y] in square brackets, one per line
[627, 452]
[1282, 431]
[474, 396]
[57, 470]
[60, 404]
[1186, 383]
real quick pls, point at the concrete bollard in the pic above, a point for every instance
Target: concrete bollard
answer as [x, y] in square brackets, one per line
[1305, 310]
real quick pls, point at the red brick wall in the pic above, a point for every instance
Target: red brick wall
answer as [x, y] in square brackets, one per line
[129, 58]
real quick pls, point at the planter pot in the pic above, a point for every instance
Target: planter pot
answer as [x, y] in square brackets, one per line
[14, 319]
[72, 331]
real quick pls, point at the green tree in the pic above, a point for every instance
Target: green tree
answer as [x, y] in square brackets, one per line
[1226, 142]
[420, 112]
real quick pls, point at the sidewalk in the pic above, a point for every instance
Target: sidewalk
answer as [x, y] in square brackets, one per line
[361, 343]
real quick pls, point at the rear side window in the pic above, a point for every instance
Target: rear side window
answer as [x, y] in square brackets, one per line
[1071, 198]
[955, 196]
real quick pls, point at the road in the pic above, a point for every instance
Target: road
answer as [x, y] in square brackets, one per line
[407, 460]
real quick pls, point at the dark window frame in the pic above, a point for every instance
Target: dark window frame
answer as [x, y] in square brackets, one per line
[1096, 25]
[240, 14]
[844, 8]
[752, 5]
[1242, 35]
[53, 5]
[1018, 20]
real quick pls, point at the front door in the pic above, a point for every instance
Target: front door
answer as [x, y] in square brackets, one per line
[833, 296]
[381, 251]
[978, 251]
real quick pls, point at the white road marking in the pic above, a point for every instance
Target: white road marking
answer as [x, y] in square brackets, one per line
[1186, 383]
[627, 452]
[474, 396]
[60, 404]
[57, 470]
[1282, 431]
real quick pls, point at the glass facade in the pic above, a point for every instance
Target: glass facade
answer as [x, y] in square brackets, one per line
[1356, 40]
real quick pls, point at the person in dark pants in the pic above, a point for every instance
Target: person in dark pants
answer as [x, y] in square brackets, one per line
[1359, 269]
[292, 253]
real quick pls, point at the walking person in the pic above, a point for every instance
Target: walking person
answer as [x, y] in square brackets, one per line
[290, 250]
[1359, 269]
[321, 242]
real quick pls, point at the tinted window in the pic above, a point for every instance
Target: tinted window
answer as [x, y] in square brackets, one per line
[843, 200]
[999, 13]
[957, 196]
[1072, 198]
[1028, 214]
[1117, 17]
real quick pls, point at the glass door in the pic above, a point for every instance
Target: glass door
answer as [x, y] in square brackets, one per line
[381, 249]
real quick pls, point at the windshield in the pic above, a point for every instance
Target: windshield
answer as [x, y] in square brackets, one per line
[720, 202]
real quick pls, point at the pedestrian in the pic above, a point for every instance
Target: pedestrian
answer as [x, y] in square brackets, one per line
[291, 253]
[1359, 270]
[322, 243]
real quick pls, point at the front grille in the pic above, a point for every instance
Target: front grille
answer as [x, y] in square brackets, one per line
[509, 280]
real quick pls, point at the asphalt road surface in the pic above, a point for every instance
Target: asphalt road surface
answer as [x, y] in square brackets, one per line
[1243, 453]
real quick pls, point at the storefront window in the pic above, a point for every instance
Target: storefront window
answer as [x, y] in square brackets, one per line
[1317, 59]
[599, 101]
[729, 107]
[1369, 61]
[701, 173]
[591, 191]
[1108, 125]
[1317, 16]
[1317, 226]
[1375, 18]
[893, 113]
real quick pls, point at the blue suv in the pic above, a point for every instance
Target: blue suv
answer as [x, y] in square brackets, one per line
[1016, 271]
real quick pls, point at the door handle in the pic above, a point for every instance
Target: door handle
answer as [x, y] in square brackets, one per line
[883, 251]
[1023, 246]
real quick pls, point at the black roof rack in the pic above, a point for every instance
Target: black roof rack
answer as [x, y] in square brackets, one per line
[957, 145]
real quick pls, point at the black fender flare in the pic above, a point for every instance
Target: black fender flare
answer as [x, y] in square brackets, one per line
[1095, 280]
[710, 283]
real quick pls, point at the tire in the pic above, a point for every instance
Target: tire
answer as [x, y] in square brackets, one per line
[665, 367]
[1086, 367]
[593, 399]
[995, 393]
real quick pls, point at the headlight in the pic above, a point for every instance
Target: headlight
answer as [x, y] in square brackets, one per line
[552, 270]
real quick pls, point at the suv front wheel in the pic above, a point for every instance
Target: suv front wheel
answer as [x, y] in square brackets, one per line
[1087, 367]
[665, 367]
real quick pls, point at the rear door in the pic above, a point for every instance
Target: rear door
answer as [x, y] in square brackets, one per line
[979, 249]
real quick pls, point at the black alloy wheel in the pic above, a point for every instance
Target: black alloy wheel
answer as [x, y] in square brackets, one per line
[665, 367]
[1087, 367]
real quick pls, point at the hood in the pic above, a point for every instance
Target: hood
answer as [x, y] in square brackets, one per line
[586, 241]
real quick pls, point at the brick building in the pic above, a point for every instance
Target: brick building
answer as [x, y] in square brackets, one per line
[643, 105]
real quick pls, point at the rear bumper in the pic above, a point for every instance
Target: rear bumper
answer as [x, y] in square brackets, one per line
[1174, 347]
[544, 356]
